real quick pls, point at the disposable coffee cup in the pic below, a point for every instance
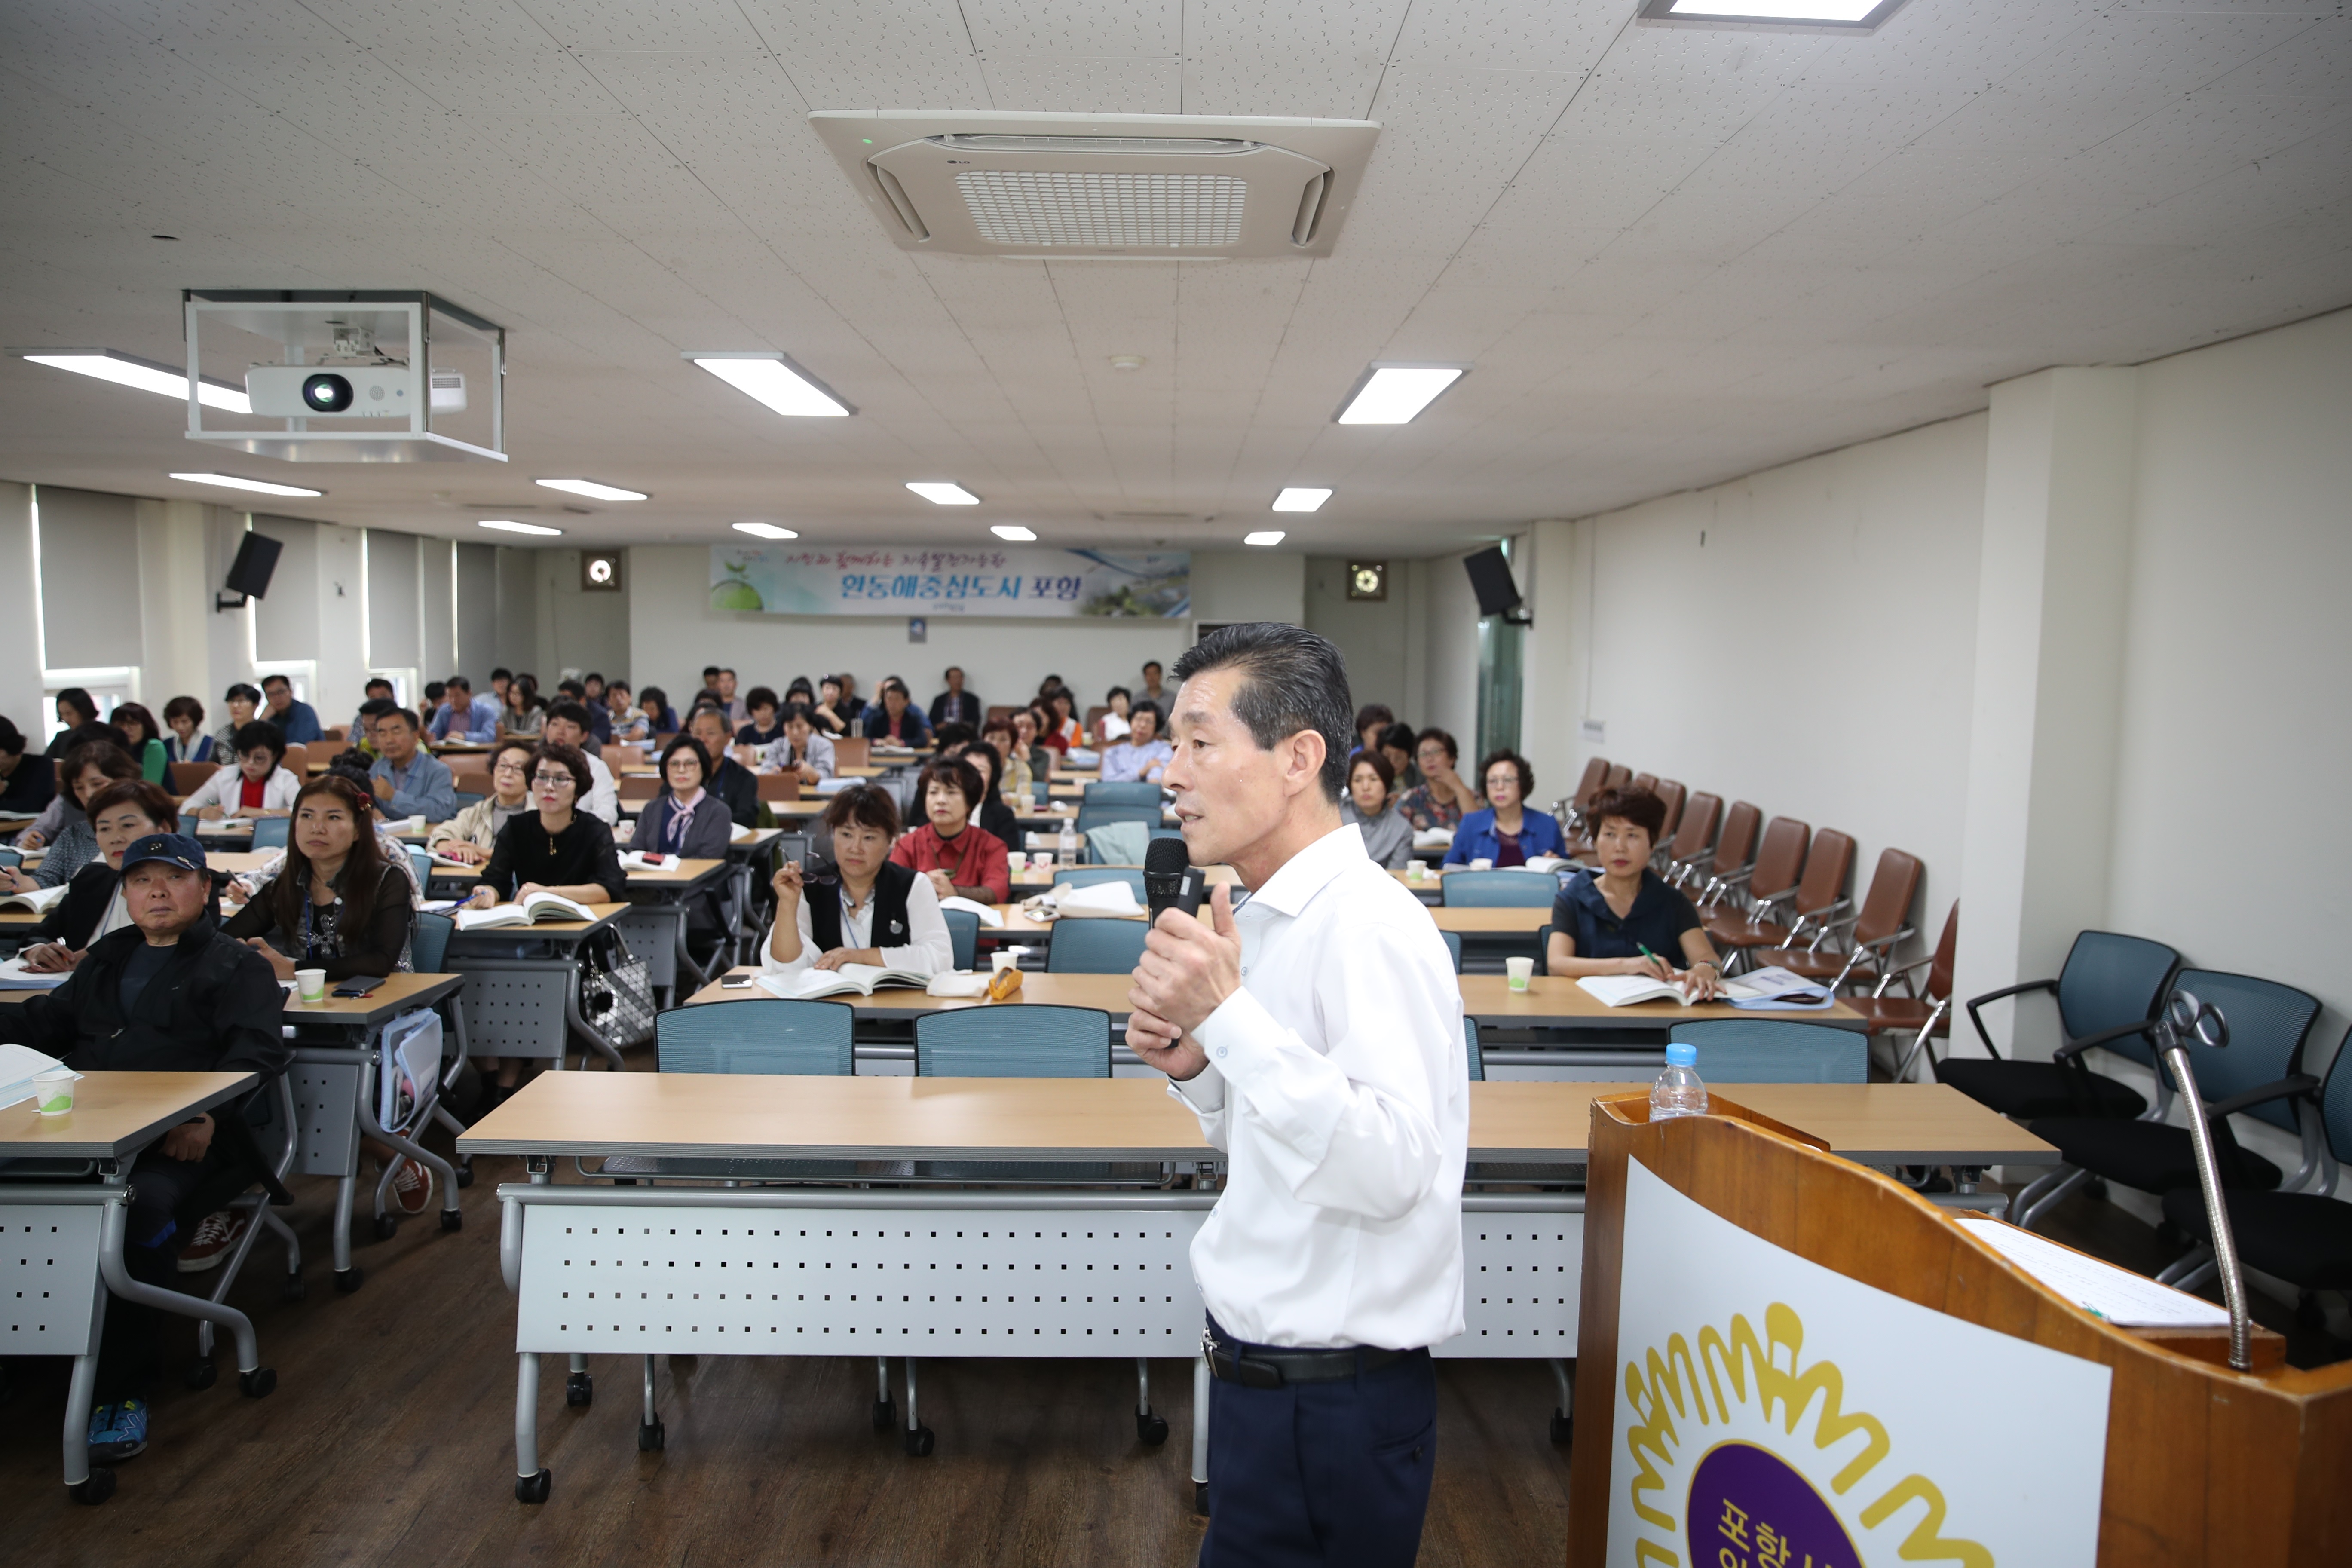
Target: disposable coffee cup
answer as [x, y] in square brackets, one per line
[310, 984]
[53, 1090]
[1482, 864]
[1415, 871]
[1003, 959]
[416, 823]
[1016, 861]
[1520, 970]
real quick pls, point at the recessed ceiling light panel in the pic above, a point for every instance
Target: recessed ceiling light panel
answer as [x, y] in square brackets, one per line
[765, 531]
[1301, 498]
[1844, 15]
[775, 381]
[231, 481]
[591, 489]
[1014, 532]
[128, 370]
[508, 525]
[1265, 536]
[942, 493]
[1394, 393]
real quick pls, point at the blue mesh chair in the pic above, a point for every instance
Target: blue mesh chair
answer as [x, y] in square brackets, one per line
[2302, 1238]
[1091, 815]
[1775, 1050]
[190, 823]
[1453, 948]
[1095, 946]
[1499, 890]
[1127, 792]
[963, 933]
[2258, 1073]
[11, 858]
[1039, 789]
[1477, 1057]
[2109, 990]
[270, 832]
[422, 860]
[1087, 876]
[765, 1034]
[428, 941]
[1031, 1040]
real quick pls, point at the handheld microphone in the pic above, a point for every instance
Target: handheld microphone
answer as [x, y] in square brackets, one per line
[1171, 880]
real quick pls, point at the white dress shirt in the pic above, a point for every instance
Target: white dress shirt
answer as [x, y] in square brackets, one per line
[929, 949]
[603, 802]
[1338, 1087]
[226, 789]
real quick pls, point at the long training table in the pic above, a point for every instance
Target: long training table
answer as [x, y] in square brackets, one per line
[889, 1265]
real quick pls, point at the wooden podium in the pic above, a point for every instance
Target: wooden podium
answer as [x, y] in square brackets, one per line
[2202, 1465]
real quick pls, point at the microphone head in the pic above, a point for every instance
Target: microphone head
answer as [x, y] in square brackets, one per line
[1166, 856]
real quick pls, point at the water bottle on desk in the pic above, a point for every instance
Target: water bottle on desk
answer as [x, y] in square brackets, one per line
[1067, 846]
[1678, 1092]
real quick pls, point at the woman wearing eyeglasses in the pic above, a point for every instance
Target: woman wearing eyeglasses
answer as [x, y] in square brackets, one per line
[555, 849]
[473, 833]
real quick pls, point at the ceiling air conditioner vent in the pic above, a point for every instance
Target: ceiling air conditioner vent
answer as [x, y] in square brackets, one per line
[1119, 186]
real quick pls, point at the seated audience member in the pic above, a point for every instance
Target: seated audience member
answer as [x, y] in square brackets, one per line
[473, 833]
[949, 739]
[1371, 790]
[800, 691]
[685, 818]
[351, 766]
[852, 707]
[597, 725]
[592, 685]
[89, 767]
[1030, 759]
[1113, 725]
[898, 722]
[500, 679]
[629, 721]
[1046, 688]
[764, 726]
[335, 903]
[1372, 721]
[296, 720]
[993, 814]
[259, 785]
[1151, 692]
[187, 742]
[955, 705]
[1442, 799]
[120, 815]
[1143, 756]
[27, 782]
[408, 780]
[799, 750]
[829, 711]
[1045, 725]
[76, 710]
[1506, 833]
[1396, 745]
[243, 701]
[142, 738]
[567, 725]
[377, 689]
[463, 715]
[169, 993]
[661, 719]
[1623, 917]
[523, 715]
[738, 711]
[961, 858]
[729, 780]
[1062, 710]
[64, 804]
[872, 911]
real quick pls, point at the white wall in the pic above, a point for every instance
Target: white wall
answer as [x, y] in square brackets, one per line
[20, 634]
[1449, 694]
[673, 633]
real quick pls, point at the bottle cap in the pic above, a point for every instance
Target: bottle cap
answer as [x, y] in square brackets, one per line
[1681, 1056]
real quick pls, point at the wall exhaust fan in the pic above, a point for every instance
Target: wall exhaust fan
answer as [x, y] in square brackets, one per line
[1142, 188]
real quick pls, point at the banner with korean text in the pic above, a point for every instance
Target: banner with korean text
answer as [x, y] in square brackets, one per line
[935, 580]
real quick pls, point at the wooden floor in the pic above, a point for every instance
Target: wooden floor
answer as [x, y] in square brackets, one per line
[390, 1440]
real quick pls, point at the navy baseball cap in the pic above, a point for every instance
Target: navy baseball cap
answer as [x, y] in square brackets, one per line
[172, 849]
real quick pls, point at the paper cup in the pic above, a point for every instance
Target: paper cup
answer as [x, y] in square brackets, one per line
[1015, 861]
[1415, 871]
[1004, 958]
[53, 1090]
[1520, 970]
[310, 984]
[416, 824]
[1482, 864]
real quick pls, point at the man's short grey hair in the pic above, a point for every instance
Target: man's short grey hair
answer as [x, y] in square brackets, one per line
[1291, 680]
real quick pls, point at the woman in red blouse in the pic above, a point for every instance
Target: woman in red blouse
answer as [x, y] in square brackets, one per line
[961, 858]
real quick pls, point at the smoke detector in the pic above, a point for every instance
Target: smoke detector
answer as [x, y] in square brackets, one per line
[1152, 187]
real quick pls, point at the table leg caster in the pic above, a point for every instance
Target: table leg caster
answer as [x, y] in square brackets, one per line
[96, 1489]
[1150, 1429]
[886, 1415]
[534, 1488]
[579, 1390]
[466, 1171]
[348, 1280]
[1561, 1428]
[919, 1442]
[259, 1383]
[651, 1436]
[201, 1375]
[386, 1227]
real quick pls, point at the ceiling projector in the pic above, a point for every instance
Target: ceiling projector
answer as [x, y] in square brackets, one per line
[339, 391]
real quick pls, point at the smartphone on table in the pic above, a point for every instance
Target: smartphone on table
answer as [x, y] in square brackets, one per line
[358, 985]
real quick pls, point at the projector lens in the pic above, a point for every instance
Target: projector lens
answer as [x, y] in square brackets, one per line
[327, 394]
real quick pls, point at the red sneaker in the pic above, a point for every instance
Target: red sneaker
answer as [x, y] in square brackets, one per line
[411, 1186]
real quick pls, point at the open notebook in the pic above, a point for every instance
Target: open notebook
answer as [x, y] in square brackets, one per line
[865, 979]
[533, 911]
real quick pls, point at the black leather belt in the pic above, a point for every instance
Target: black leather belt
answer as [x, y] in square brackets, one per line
[1266, 1366]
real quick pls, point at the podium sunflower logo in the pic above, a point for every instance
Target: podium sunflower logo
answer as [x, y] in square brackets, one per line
[1744, 1456]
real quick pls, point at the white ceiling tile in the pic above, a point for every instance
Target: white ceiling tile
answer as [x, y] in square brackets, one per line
[1066, 85]
[1076, 28]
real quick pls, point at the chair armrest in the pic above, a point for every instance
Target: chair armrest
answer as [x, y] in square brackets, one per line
[1976, 1002]
[2285, 1089]
[1889, 976]
[2073, 1049]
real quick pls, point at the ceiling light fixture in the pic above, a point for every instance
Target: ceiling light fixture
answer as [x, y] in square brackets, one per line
[1844, 14]
[772, 379]
[507, 525]
[1393, 393]
[1013, 532]
[230, 481]
[128, 370]
[1265, 536]
[591, 489]
[1301, 498]
[942, 492]
[765, 531]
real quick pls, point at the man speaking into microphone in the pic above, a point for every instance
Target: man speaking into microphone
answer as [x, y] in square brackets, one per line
[1317, 1032]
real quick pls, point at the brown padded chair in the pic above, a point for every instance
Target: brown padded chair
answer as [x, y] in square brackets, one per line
[1692, 847]
[1673, 794]
[1735, 851]
[1780, 862]
[1619, 777]
[297, 760]
[637, 786]
[1924, 1017]
[1884, 920]
[1571, 821]
[189, 777]
[780, 786]
[850, 752]
[1819, 896]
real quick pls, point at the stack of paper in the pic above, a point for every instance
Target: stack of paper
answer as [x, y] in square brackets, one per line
[1776, 990]
[15, 977]
[2118, 1295]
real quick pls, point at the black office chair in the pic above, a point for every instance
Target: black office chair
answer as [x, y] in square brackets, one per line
[2108, 992]
[2259, 1072]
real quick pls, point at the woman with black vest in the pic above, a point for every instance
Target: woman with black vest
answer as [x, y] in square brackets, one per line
[873, 912]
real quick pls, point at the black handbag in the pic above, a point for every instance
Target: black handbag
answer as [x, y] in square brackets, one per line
[616, 993]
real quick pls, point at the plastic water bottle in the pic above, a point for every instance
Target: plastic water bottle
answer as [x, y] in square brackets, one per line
[1678, 1092]
[1067, 845]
